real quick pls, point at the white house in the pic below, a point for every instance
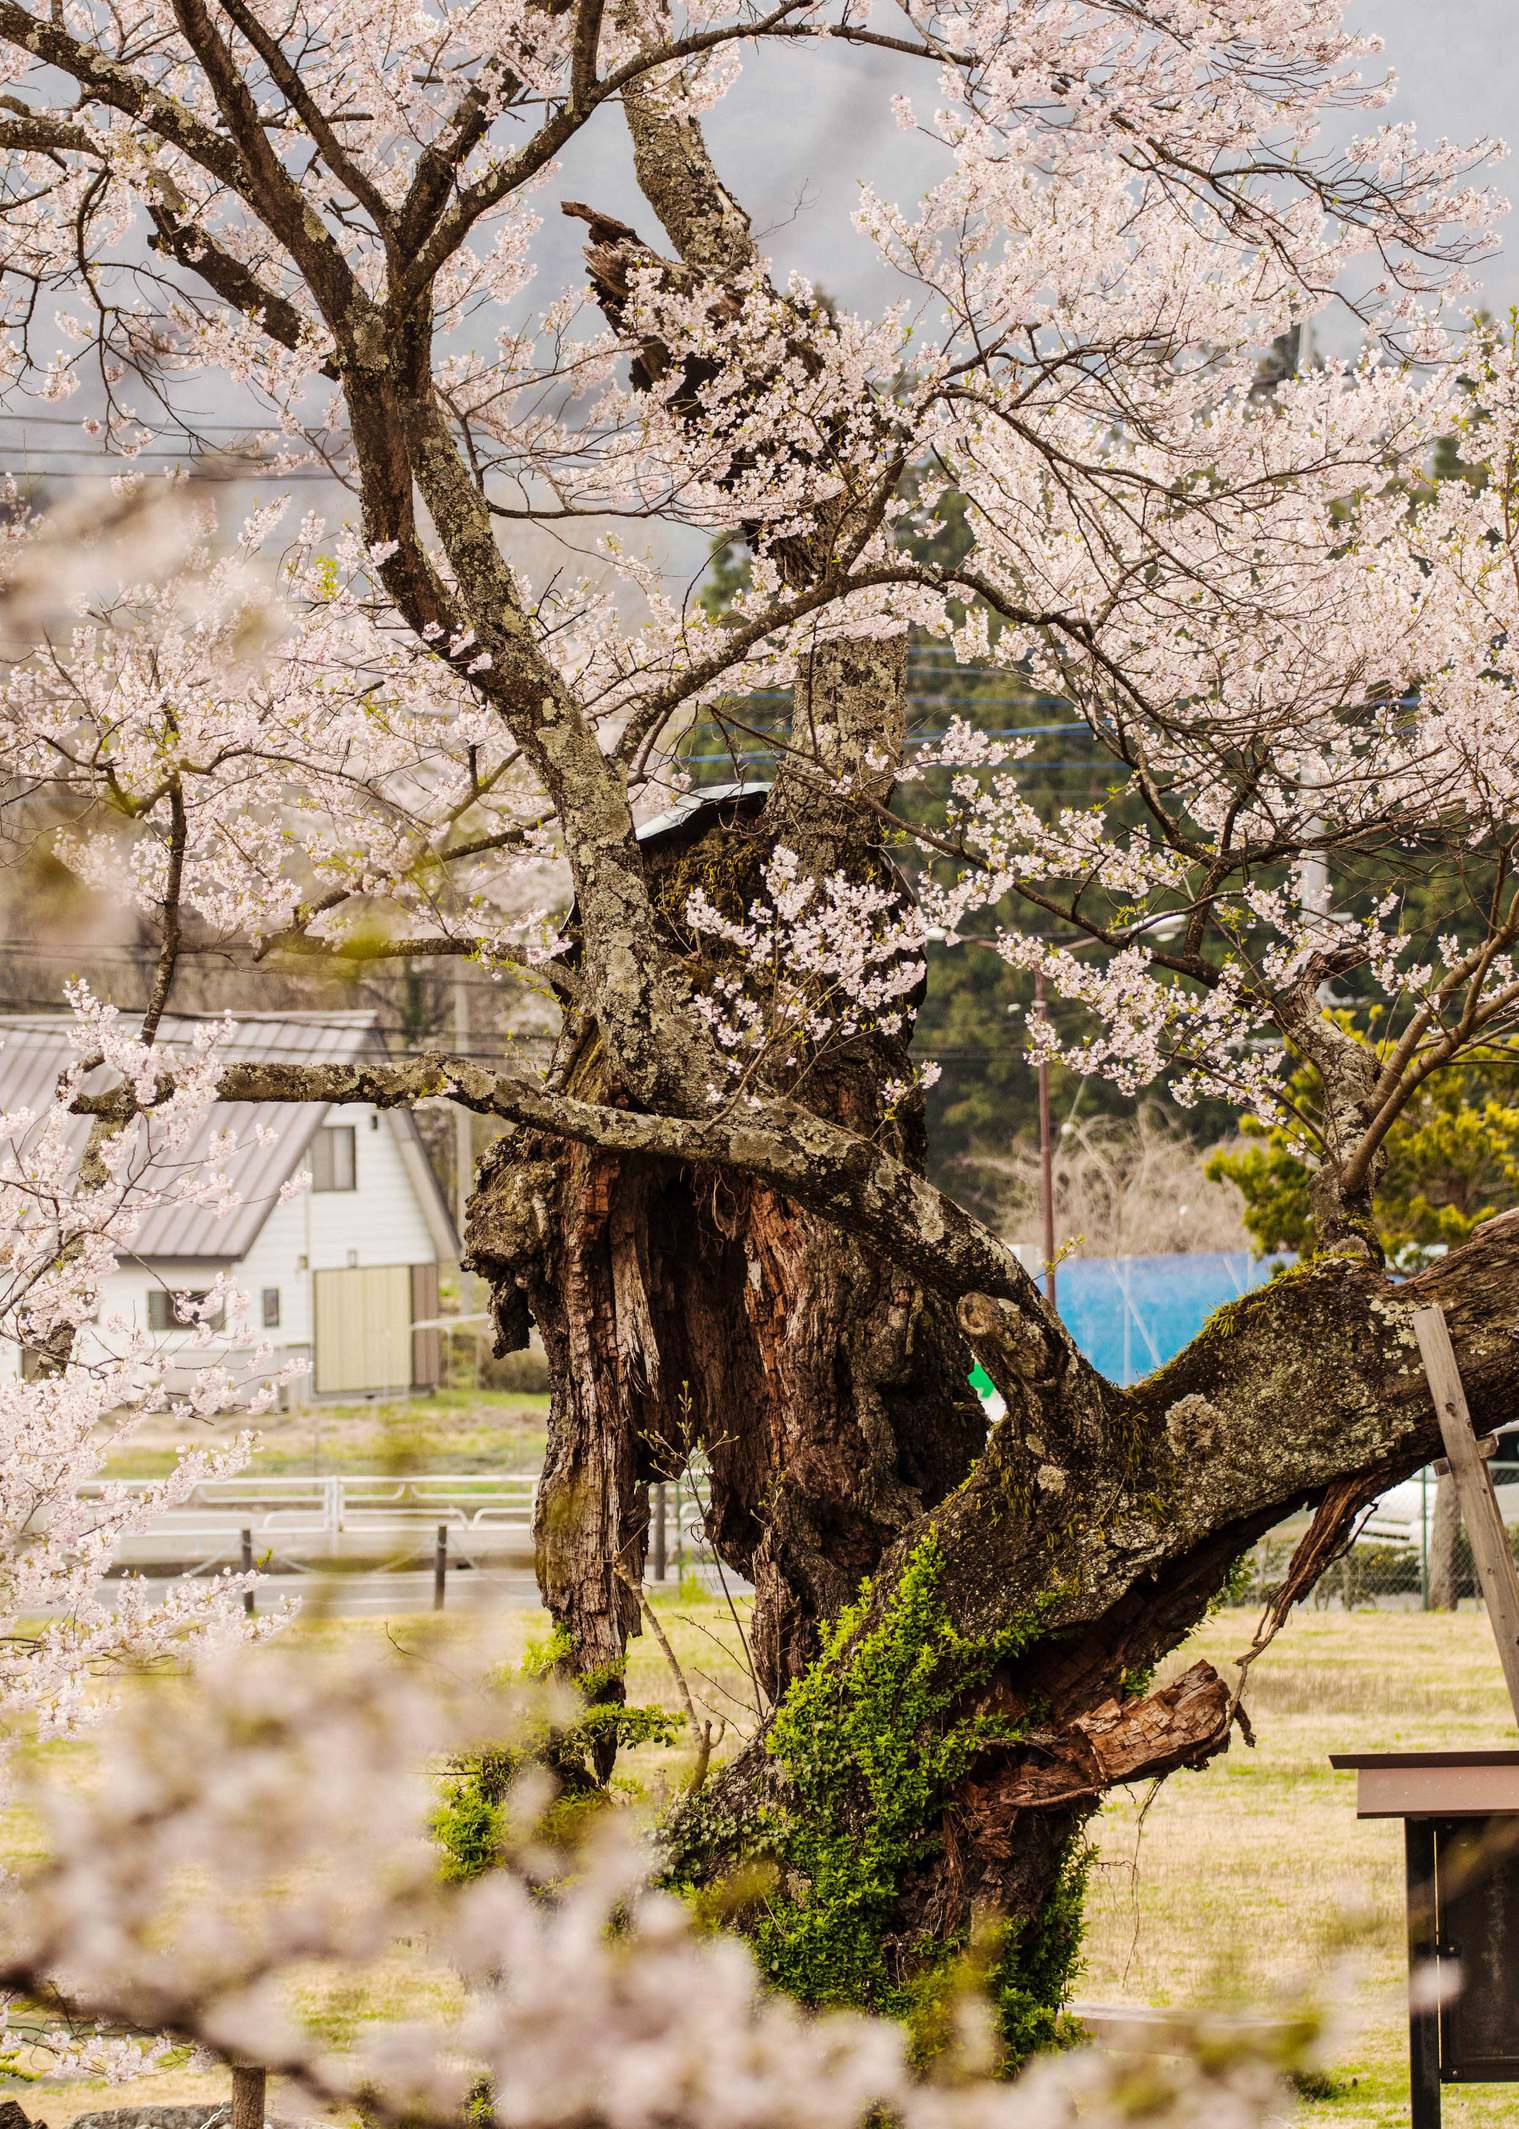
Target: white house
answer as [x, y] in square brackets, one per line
[339, 1275]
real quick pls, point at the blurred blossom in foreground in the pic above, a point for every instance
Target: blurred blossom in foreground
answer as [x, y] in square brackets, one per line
[263, 1843]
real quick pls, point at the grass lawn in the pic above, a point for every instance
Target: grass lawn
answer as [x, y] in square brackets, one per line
[453, 1430]
[1256, 1871]
[1232, 1884]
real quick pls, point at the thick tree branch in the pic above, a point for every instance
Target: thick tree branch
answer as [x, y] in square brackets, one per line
[107, 81]
[191, 246]
[287, 79]
[816, 1163]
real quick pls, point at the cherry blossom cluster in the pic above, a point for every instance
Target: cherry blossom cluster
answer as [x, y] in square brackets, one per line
[324, 762]
[1288, 765]
[820, 962]
[262, 1847]
[402, 733]
[72, 1197]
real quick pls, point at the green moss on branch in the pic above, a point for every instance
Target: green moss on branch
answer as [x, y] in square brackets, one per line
[873, 1740]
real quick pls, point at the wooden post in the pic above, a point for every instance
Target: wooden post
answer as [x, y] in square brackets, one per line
[249, 2085]
[661, 1565]
[248, 1598]
[440, 1568]
[1497, 1575]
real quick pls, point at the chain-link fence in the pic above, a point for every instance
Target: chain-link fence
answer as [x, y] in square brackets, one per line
[1403, 1557]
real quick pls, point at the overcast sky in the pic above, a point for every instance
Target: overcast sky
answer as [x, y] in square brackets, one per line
[1457, 63]
[801, 131]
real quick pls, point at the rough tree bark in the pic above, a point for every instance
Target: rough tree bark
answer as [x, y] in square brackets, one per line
[999, 1668]
[1444, 1556]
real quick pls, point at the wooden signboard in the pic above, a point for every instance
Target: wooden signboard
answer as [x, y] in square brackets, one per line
[1460, 1813]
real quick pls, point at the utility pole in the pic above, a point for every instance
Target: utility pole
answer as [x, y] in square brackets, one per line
[464, 1144]
[1046, 1157]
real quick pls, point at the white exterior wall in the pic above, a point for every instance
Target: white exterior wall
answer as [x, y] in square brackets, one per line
[125, 1293]
[378, 1222]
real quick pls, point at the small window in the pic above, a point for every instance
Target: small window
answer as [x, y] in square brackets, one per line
[271, 1304]
[333, 1161]
[163, 1315]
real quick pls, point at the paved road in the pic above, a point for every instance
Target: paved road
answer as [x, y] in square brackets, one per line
[399, 1596]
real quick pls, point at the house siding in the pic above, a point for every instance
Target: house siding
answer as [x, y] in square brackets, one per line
[378, 1223]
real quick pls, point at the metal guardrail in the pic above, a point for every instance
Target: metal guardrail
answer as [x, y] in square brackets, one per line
[346, 1513]
[370, 1516]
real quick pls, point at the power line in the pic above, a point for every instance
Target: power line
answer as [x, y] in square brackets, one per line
[209, 471]
[1092, 767]
[982, 702]
[128, 459]
[410, 1052]
[183, 428]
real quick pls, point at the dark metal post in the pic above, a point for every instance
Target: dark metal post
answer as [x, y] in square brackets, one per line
[1424, 1539]
[1046, 1157]
[247, 1570]
[440, 1568]
[660, 1563]
[1423, 2015]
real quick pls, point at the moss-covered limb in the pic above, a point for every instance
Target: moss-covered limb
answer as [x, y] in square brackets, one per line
[1056, 1581]
[873, 1739]
[1309, 1383]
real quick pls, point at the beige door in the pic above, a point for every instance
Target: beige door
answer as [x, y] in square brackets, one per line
[363, 1329]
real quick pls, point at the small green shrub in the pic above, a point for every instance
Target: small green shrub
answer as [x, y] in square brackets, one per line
[470, 1823]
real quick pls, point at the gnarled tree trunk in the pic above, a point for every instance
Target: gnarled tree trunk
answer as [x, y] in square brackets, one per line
[684, 1308]
[936, 1754]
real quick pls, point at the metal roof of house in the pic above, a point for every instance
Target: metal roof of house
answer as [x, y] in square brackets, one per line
[34, 1050]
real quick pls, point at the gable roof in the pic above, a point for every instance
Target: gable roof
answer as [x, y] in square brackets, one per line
[34, 1050]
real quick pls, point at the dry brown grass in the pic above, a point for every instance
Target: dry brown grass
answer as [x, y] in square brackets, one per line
[1124, 1187]
[1257, 1871]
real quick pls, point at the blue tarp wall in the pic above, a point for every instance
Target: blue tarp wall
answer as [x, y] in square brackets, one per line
[1131, 1314]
